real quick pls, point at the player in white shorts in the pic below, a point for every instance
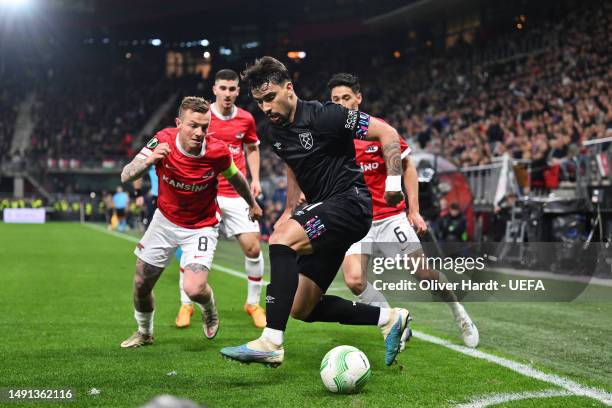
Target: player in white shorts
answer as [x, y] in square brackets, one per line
[187, 161]
[390, 224]
[236, 127]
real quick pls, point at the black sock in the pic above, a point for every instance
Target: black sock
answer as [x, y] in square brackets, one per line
[336, 309]
[283, 285]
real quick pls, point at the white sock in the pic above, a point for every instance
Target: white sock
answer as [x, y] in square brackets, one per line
[457, 309]
[254, 268]
[383, 317]
[275, 336]
[184, 298]
[371, 296]
[145, 322]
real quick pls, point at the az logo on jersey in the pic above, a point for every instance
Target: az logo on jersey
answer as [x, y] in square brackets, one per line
[306, 140]
[239, 135]
[372, 149]
[208, 174]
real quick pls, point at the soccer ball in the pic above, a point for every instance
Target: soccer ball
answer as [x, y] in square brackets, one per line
[345, 370]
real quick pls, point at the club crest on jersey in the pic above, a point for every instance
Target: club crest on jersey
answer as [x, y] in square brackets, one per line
[372, 149]
[306, 140]
[239, 135]
[152, 144]
[277, 145]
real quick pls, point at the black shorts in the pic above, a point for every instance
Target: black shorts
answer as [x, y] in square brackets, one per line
[332, 226]
[120, 212]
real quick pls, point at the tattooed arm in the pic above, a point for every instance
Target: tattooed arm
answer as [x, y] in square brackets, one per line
[138, 167]
[389, 139]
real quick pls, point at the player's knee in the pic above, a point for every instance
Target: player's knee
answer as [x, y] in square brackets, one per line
[194, 289]
[296, 240]
[277, 238]
[300, 312]
[195, 280]
[143, 283]
[355, 283]
[139, 283]
[252, 250]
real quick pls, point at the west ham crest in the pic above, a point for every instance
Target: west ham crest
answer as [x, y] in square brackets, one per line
[306, 140]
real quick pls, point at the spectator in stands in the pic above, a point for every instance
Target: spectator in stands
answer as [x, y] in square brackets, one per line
[453, 226]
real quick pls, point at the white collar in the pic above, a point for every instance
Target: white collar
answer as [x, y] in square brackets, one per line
[221, 116]
[178, 146]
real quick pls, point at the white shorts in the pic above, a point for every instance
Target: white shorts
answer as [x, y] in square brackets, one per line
[394, 234]
[235, 216]
[161, 239]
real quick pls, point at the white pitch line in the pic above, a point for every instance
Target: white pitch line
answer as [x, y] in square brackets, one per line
[571, 386]
[528, 371]
[495, 399]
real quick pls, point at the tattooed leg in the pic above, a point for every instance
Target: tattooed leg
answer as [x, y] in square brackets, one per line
[195, 283]
[144, 279]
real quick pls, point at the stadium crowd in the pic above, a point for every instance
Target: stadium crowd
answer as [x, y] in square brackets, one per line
[95, 115]
[537, 106]
[9, 99]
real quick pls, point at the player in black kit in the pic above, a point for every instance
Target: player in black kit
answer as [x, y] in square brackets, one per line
[308, 245]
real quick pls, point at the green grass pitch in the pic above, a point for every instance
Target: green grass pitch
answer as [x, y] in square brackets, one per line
[65, 306]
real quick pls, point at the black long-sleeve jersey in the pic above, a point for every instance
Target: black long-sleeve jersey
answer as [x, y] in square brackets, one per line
[318, 147]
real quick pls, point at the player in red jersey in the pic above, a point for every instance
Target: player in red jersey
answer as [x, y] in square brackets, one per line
[236, 127]
[187, 161]
[390, 224]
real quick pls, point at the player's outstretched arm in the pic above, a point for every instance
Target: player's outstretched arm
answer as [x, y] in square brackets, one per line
[137, 167]
[411, 185]
[389, 139]
[253, 159]
[240, 184]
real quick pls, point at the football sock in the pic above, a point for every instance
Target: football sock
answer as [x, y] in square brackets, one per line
[371, 296]
[336, 309]
[283, 285]
[254, 268]
[275, 336]
[457, 309]
[383, 318]
[145, 322]
[184, 298]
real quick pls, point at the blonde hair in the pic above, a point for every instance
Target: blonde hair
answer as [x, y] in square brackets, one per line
[193, 103]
